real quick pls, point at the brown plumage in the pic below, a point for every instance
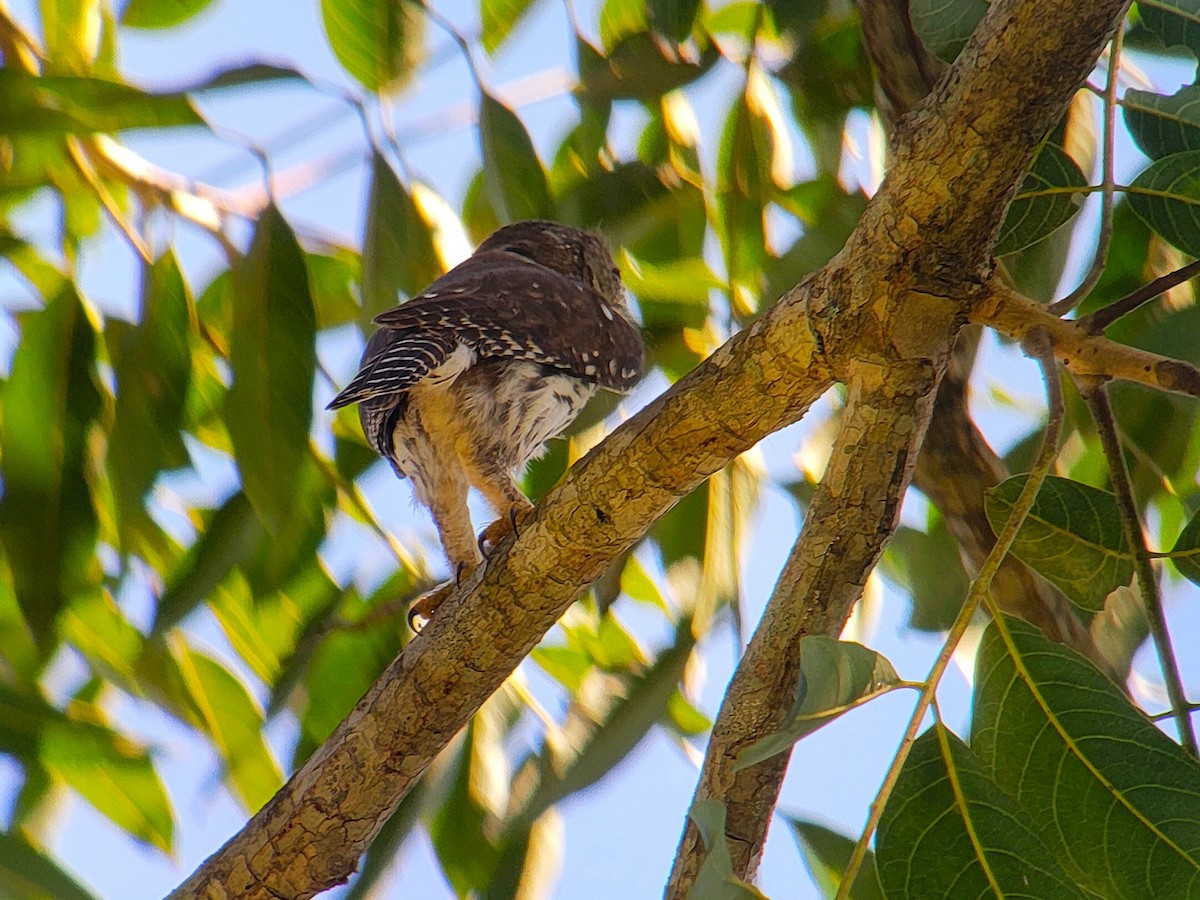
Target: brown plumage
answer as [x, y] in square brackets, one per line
[462, 385]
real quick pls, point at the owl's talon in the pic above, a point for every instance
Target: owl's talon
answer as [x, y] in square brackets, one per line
[490, 537]
[427, 604]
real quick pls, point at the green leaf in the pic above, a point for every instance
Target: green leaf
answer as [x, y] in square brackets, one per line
[1175, 22]
[152, 364]
[1188, 544]
[69, 104]
[927, 564]
[834, 677]
[160, 13]
[243, 74]
[226, 712]
[715, 880]
[1046, 200]
[1072, 537]
[71, 29]
[1161, 124]
[498, 18]
[231, 535]
[459, 826]
[1091, 772]
[48, 524]
[948, 830]
[672, 18]
[379, 42]
[826, 852]
[115, 776]
[945, 25]
[332, 278]
[1166, 196]
[643, 67]
[26, 874]
[399, 259]
[273, 356]
[513, 174]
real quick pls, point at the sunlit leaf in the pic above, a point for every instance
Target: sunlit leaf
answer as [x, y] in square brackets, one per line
[272, 355]
[498, 18]
[1046, 200]
[1088, 769]
[161, 13]
[949, 830]
[515, 180]
[1166, 196]
[377, 41]
[398, 259]
[48, 523]
[834, 676]
[65, 104]
[1162, 124]
[71, 29]
[1072, 537]
[945, 25]
[826, 852]
[28, 874]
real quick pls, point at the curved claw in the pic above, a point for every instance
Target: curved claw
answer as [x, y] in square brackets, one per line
[490, 537]
[427, 604]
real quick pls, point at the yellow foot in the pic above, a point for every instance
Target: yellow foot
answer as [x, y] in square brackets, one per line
[490, 537]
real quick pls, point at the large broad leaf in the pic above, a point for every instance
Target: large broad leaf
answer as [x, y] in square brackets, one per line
[48, 522]
[945, 25]
[1072, 537]
[398, 258]
[834, 677]
[272, 355]
[66, 104]
[827, 854]
[71, 30]
[1186, 552]
[377, 41]
[27, 874]
[715, 879]
[1166, 196]
[498, 18]
[1091, 772]
[948, 830]
[1175, 22]
[1161, 124]
[643, 67]
[1047, 199]
[513, 174]
[160, 13]
[152, 364]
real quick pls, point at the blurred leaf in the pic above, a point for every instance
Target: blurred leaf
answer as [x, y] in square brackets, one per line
[46, 279]
[331, 278]
[27, 874]
[1188, 543]
[48, 523]
[1044, 202]
[672, 18]
[834, 676]
[1166, 196]
[71, 29]
[620, 18]
[229, 715]
[637, 585]
[160, 13]
[1174, 22]
[643, 67]
[944, 25]
[69, 104]
[1162, 125]
[826, 852]
[379, 42]
[949, 830]
[105, 638]
[498, 18]
[928, 566]
[513, 174]
[1089, 770]
[17, 645]
[269, 406]
[231, 535]
[241, 74]
[715, 880]
[685, 718]
[685, 282]
[152, 364]
[828, 215]
[1072, 537]
[115, 776]
[398, 259]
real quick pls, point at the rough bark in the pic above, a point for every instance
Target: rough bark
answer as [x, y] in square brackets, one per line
[928, 234]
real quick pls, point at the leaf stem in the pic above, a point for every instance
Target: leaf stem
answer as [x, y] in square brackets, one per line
[1036, 344]
[1095, 394]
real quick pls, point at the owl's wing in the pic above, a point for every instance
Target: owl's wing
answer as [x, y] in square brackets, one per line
[501, 305]
[394, 361]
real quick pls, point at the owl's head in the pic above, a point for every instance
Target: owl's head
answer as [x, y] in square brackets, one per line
[569, 251]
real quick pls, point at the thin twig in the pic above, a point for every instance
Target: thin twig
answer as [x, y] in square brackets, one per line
[1095, 393]
[87, 172]
[1098, 322]
[1107, 186]
[1037, 344]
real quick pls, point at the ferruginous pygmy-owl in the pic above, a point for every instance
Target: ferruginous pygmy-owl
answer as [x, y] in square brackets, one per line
[462, 385]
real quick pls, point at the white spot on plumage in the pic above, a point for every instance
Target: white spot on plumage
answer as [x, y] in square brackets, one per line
[608, 313]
